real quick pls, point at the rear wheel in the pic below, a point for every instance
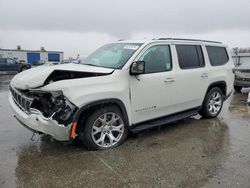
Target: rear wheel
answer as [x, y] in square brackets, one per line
[237, 88]
[104, 129]
[212, 104]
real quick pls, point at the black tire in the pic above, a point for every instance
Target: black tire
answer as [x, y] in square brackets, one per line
[86, 130]
[23, 69]
[237, 88]
[204, 111]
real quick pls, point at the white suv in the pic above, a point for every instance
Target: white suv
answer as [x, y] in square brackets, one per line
[124, 86]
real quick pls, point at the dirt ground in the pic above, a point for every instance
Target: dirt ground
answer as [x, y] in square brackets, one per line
[190, 153]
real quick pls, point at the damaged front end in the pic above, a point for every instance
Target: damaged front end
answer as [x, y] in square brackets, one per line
[52, 105]
[45, 112]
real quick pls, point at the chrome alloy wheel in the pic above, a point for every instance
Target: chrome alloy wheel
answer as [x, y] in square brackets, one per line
[215, 103]
[107, 129]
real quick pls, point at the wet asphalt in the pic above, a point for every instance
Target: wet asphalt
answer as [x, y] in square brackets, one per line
[190, 153]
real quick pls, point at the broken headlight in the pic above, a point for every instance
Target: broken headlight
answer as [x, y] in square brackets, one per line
[54, 105]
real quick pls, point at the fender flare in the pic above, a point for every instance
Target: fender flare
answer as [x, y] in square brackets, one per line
[214, 84]
[86, 107]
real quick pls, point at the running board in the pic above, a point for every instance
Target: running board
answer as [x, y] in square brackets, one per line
[162, 121]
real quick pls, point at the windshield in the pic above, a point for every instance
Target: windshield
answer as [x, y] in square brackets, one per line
[113, 55]
[245, 65]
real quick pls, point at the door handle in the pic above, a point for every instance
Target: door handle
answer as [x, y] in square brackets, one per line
[204, 75]
[169, 80]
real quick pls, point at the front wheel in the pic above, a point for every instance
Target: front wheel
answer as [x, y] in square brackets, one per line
[104, 129]
[212, 103]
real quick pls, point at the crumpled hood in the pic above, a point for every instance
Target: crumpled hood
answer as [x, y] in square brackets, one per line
[36, 77]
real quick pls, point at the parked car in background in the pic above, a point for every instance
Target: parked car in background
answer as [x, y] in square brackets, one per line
[8, 65]
[242, 77]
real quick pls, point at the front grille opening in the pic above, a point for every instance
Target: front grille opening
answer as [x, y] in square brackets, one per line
[22, 101]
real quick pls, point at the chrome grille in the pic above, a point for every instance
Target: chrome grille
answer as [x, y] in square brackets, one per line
[22, 101]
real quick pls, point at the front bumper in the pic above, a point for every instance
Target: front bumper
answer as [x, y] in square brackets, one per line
[242, 83]
[38, 123]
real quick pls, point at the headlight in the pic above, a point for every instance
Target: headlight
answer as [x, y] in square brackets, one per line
[63, 110]
[53, 105]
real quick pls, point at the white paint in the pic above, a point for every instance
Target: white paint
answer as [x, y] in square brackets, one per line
[146, 97]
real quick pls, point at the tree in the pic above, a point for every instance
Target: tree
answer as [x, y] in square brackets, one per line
[236, 51]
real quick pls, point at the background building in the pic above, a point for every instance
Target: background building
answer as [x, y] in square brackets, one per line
[31, 56]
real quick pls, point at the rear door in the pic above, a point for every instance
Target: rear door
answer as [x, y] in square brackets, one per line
[191, 77]
[2, 64]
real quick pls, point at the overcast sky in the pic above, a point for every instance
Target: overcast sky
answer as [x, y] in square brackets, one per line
[80, 26]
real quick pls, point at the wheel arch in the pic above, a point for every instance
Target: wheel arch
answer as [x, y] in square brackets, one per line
[90, 107]
[220, 84]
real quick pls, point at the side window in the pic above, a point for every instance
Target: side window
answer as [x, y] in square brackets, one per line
[190, 56]
[11, 62]
[217, 55]
[157, 59]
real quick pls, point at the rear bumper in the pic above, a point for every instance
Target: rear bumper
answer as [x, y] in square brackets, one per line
[242, 83]
[38, 123]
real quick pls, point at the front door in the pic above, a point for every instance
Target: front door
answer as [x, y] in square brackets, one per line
[11, 65]
[152, 92]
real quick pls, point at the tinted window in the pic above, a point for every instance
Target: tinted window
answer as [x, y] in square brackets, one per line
[217, 55]
[190, 56]
[157, 59]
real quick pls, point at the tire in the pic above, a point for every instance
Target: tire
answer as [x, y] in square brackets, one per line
[237, 88]
[105, 128]
[212, 104]
[22, 69]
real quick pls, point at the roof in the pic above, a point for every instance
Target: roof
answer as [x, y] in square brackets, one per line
[16, 50]
[191, 40]
[172, 40]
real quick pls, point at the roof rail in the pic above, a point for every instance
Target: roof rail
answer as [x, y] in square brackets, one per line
[188, 40]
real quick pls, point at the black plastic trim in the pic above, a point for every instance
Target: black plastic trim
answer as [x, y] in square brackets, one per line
[163, 120]
[118, 102]
[58, 75]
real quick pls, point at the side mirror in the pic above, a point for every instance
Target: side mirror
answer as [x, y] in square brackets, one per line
[137, 67]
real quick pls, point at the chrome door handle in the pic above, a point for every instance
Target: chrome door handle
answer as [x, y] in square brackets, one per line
[169, 80]
[204, 75]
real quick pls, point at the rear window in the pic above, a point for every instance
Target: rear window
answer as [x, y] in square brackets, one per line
[190, 56]
[217, 55]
